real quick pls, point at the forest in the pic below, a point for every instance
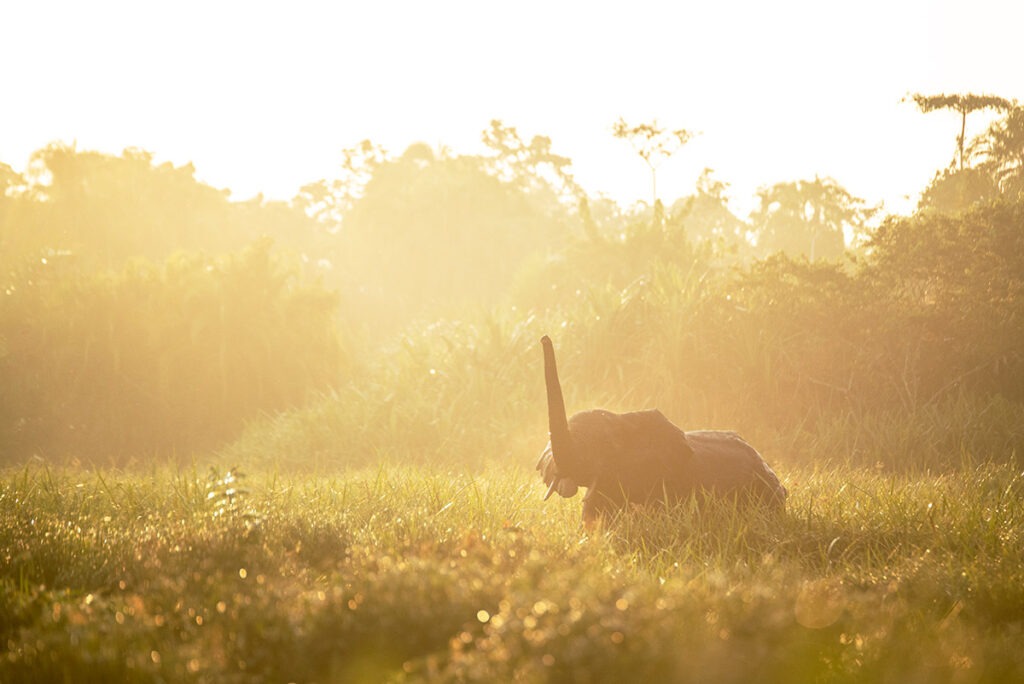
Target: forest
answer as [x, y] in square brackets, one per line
[146, 315]
[340, 397]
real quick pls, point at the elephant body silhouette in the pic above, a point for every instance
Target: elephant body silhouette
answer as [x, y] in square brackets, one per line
[641, 457]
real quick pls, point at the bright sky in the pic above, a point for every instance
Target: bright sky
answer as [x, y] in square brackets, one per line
[262, 97]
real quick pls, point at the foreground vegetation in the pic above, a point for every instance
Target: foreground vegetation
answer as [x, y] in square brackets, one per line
[402, 574]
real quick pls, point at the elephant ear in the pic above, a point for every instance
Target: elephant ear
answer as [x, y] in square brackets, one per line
[648, 454]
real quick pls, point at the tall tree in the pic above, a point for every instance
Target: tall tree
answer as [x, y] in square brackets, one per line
[326, 201]
[964, 105]
[705, 216]
[9, 181]
[808, 218]
[953, 190]
[8, 178]
[433, 232]
[106, 208]
[1002, 148]
[654, 144]
[532, 166]
[95, 211]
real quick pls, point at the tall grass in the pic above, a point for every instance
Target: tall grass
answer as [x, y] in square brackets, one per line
[406, 574]
[806, 379]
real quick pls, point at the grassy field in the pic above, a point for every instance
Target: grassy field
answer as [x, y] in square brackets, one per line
[412, 574]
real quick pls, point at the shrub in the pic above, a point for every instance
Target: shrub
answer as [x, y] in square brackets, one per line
[157, 358]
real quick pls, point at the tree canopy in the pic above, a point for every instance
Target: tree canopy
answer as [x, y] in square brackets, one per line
[654, 143]
[808, 217]
[963, 104]
[994, 167]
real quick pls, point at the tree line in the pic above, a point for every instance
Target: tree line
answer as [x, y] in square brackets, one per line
[142, 311]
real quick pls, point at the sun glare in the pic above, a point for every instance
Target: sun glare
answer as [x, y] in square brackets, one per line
[281, 286]
[264, 102]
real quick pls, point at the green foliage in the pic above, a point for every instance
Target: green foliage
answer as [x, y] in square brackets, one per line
[646, 310]
[327, 201]
[414, 575]
[606, 265]
[102, 210]
[654, 144]
[808, 218]
[157, 358]
[439, 234]
[963, 104]
[532, 167]
[457, 394]
[809, 361]
[955, 190]
[1002, 148]
[958, 282]
[998, 154]
[705, 217]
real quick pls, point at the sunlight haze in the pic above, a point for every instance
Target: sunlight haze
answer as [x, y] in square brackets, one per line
[264, 97]
[282, 288]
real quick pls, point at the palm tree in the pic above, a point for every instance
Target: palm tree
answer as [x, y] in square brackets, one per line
[964, 104]
[1002, 146]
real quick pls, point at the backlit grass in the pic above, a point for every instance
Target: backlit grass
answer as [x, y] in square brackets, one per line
[417, 574]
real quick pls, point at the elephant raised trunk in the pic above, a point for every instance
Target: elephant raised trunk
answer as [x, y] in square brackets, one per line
[563, 453]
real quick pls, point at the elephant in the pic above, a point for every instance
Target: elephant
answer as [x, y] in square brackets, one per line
[642, 458]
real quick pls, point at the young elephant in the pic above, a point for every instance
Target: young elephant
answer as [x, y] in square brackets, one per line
[641, 457]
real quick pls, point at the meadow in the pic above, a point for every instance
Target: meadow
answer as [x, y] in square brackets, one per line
[416, 574]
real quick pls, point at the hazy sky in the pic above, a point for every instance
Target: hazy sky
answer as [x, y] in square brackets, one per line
[264, 96]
